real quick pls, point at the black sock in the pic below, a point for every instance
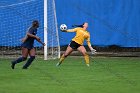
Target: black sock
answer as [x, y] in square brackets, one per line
[20, 59]
[28, 63]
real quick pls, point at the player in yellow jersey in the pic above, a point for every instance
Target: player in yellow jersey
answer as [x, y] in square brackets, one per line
[77, 42]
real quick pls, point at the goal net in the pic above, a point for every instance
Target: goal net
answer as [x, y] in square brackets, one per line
[17, 17]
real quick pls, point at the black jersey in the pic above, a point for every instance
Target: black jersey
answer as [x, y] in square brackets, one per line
[29, 43]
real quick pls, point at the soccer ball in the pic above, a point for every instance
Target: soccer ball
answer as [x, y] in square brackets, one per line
[63, 27]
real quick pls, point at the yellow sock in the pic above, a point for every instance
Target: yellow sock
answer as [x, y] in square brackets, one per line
[86, 58]
[61, 59]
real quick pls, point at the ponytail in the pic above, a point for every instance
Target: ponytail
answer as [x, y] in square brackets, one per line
[78, 25]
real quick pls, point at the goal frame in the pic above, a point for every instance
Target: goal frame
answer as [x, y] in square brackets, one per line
[45, 29]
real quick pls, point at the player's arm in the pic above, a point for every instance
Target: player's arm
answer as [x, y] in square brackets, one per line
[24, 39]
[93, 51]
[31, 35]
[70, 30]
[38, 39]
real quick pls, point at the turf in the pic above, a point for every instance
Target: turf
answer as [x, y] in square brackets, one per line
[105, 75]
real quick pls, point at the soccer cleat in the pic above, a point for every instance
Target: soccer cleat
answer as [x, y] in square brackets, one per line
[24, 68]
[88, 65]
[58, 64]
[12, 65]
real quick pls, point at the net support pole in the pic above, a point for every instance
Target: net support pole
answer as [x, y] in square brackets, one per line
[56, 29]
[45, 30]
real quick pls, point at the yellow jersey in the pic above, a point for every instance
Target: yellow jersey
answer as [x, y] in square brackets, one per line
[81, 35]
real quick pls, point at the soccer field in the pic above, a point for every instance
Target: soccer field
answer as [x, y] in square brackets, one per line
[105, 75]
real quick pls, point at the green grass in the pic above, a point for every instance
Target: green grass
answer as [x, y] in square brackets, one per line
[105, 75]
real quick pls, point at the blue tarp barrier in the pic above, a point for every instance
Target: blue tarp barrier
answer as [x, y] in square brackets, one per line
[111, 22]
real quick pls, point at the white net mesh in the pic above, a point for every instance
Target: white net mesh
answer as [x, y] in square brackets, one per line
[52, 31]
[17, 17]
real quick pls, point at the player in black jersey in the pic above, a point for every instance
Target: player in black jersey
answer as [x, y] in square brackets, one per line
[28, 46]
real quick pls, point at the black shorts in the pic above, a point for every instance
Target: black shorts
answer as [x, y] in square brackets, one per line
[74, 45]
[27, 46]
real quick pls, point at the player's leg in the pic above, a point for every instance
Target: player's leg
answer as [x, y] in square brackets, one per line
[84, 52]
[30, 60]
[66, 53]
[20, 59]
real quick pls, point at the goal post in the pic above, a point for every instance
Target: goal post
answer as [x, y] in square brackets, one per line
[17, 17]
[51, 37]
[45, 30]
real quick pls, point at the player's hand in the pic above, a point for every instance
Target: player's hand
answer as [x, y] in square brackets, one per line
[93, 51]
[64, 30]
[43, 44]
